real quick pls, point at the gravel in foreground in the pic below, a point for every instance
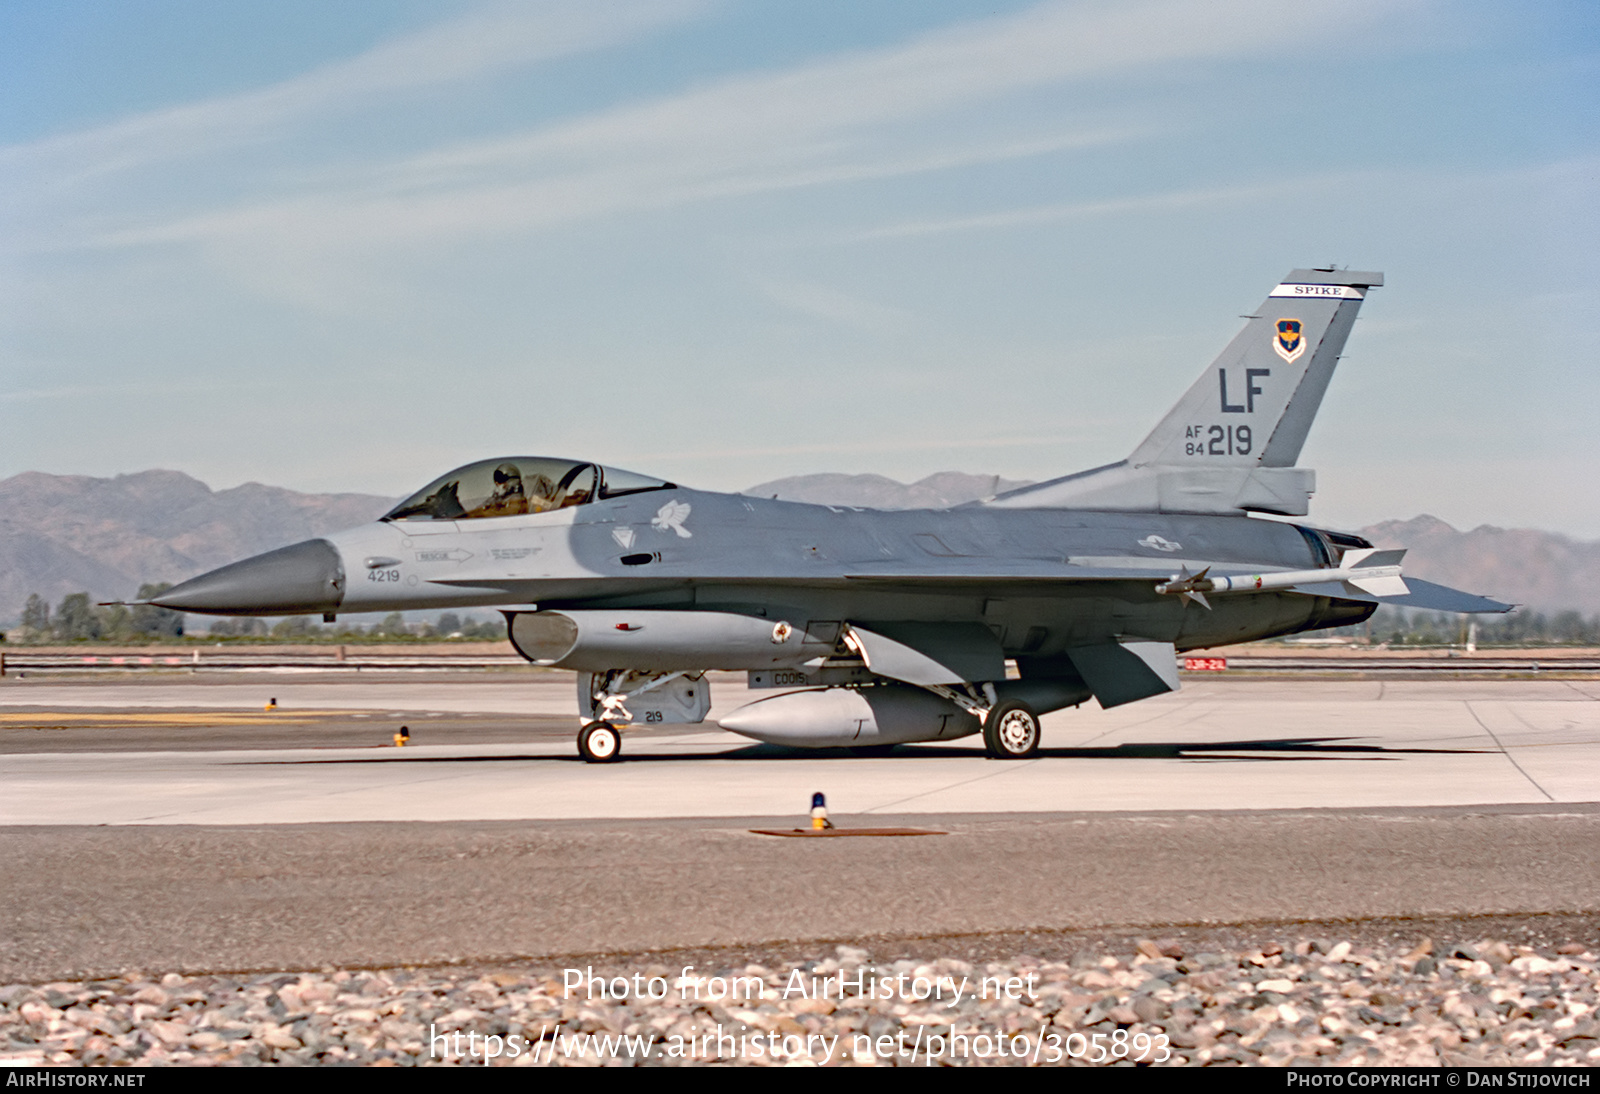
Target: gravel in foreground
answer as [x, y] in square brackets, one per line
[1322, 1002]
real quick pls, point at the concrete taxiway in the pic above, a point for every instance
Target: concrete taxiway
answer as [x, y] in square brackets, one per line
[1215, 745]
[176, 824]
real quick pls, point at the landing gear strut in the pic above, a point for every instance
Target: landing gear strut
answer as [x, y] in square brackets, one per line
[599, 743]
[1011, 731]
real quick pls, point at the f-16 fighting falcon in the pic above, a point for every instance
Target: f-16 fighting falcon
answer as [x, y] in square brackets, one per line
[878, 627]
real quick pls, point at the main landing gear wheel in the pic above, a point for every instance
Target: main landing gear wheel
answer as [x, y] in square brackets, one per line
[1011, 732]
[599, 743]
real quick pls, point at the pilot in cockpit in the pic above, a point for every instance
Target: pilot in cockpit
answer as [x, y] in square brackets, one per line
[508, 498]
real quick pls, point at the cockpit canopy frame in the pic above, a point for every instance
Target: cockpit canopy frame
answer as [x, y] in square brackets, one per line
[518, 486]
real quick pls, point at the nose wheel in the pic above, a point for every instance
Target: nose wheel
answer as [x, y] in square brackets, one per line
[599, 743]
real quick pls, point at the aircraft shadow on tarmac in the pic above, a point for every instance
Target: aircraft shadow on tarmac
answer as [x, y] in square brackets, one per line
[1270, 750]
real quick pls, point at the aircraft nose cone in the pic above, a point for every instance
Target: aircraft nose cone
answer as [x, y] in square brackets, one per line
[303, 579]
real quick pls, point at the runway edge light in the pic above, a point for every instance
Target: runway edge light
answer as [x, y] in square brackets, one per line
[819, 811]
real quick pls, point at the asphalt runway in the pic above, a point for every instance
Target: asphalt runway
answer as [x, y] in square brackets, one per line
[88, 901]
[172, 823]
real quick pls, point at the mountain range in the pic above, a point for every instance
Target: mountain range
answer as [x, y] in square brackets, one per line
[61, 534]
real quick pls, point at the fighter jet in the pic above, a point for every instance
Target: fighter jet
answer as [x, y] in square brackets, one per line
[875, 627]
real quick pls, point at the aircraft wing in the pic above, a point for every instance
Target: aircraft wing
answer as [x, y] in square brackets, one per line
[959, 570]
[1421, 594]
[1425, 595]
[1097, 568]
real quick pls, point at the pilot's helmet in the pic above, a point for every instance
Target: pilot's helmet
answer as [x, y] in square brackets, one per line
[507, 473]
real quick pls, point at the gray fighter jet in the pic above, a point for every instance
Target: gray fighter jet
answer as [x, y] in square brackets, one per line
[886, 627]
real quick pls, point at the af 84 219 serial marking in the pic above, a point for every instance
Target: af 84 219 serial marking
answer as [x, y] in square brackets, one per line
[1219, 440]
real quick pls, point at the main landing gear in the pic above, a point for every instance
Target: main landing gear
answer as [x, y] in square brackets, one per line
[1011, 731]
[599, 743]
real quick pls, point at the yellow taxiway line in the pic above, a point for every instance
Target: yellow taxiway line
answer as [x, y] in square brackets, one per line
[186, 718]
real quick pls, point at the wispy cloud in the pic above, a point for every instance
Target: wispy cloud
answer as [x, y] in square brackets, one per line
[860, 115]
[829, 304]
[845, 445]
[396, 211]
[493, 38]
[1073, 210]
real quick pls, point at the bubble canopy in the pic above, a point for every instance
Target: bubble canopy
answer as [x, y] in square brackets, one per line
[517, 485]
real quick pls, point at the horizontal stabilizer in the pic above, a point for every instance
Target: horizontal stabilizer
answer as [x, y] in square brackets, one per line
[1421, 594]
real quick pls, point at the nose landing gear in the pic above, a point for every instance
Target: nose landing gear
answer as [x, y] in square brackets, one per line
[599, 743]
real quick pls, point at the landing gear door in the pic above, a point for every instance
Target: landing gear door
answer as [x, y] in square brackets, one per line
[646, 699]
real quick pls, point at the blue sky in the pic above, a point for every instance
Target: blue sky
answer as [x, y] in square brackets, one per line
[348, 246]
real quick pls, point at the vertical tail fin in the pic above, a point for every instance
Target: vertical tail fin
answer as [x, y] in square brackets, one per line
[1232, 441]
[1254, 406]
